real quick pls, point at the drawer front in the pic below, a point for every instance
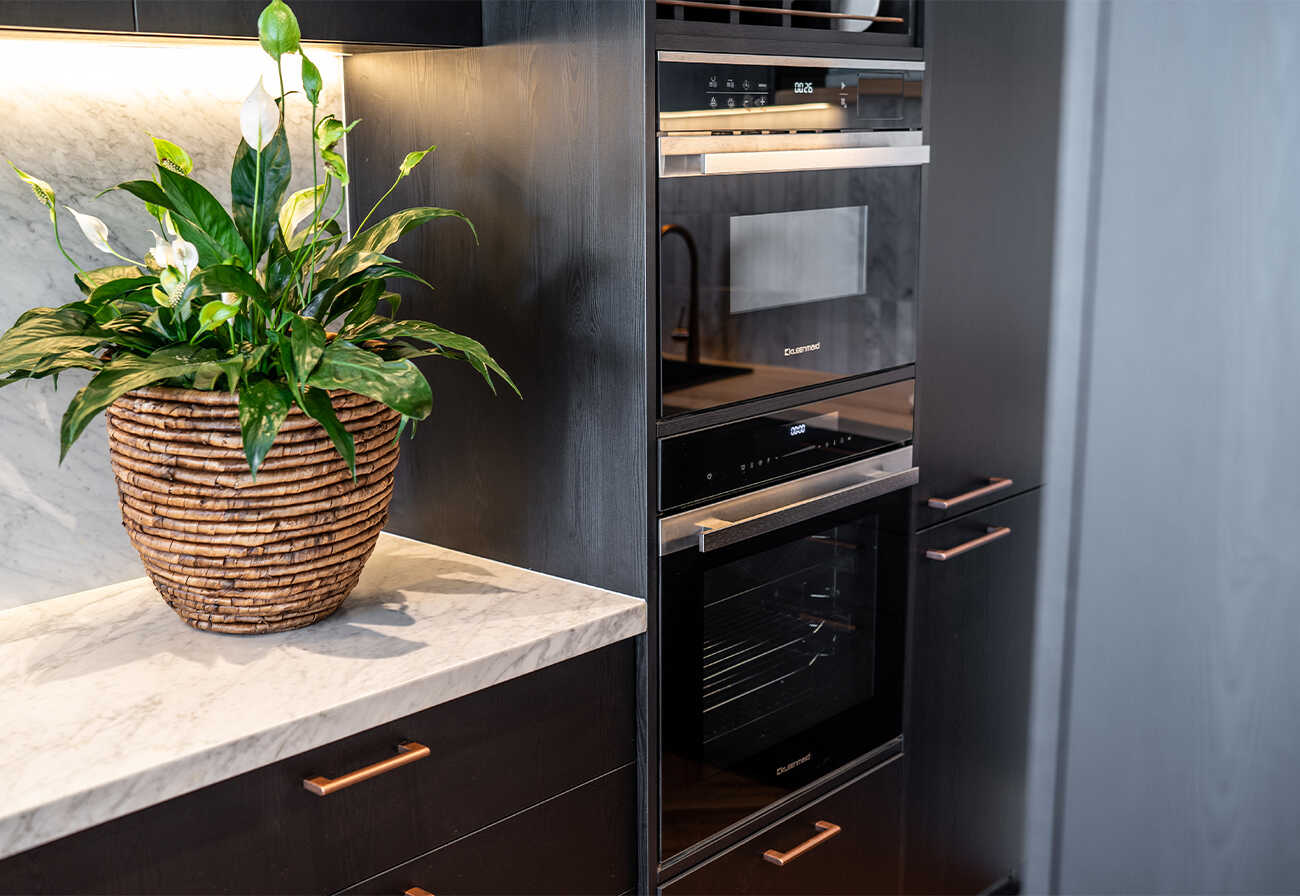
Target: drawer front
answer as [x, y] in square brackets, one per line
[580, 842]
[863, 857]
[491, 754]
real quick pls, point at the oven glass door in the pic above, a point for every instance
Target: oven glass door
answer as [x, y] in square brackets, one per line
[781, 660]
[774, 281]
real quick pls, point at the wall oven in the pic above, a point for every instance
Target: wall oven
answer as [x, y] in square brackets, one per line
[789, 202]
[782, 601]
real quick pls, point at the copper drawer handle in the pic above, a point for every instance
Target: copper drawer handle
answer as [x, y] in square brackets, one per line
[996, 484]
[827, 831]
[806, 13]
[406, 754]
[993, 534]
[416, 891]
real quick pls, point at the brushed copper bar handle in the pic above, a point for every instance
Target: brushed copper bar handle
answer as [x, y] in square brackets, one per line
[826, 832]
[996, 484]
[806, 13]
[994, 533]
[416, 891]
[406, 754]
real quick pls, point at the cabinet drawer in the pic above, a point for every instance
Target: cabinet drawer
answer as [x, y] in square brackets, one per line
[580, 842]
[491, 754]
[862, 858]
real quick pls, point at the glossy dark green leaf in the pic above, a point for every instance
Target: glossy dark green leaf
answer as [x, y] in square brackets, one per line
[221, 278]
[276, 171]
[378, 237]
[277, 30]
[432, 334]
[203, 220]
[311, 80]
[316, 402]
[263, 405]
[89, 281]
[116, 288]
[122, 374]
[307, 342]
[397, 384]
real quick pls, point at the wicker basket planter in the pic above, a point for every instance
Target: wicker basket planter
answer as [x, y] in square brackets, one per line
[232, 555]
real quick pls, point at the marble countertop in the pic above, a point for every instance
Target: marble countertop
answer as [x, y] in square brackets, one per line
[111, 703]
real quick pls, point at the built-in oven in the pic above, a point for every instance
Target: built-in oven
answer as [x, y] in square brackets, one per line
[782, 605]
[789, 206]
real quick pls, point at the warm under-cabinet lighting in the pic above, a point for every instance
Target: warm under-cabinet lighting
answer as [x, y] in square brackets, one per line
[106, 66]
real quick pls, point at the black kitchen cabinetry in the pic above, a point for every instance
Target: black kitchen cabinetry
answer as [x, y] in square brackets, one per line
[457, 23]
[493, 755]
[580, 842]
[862, 857]
[968, 705]
[81, 15]
[419, 22]
[994, 77]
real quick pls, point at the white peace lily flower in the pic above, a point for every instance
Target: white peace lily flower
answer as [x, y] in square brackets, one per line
[229, 298]
[259, 117]
[95, 230]
[160, 256]
[184, 256]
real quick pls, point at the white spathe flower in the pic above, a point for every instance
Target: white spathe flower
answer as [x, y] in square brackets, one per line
[259, 117]
[229, 298]
[95, 230]
[178, 253]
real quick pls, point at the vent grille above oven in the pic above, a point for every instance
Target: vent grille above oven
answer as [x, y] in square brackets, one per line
[862, 19]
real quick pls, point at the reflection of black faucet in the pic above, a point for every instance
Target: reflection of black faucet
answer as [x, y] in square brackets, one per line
[693, 304]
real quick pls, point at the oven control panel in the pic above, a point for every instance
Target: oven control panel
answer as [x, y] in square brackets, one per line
[702, 466]
[721, 96]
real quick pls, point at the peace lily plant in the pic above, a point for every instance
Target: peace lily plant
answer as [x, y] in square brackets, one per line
[270, 300]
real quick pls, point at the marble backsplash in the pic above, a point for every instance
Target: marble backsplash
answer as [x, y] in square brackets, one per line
[78, 115]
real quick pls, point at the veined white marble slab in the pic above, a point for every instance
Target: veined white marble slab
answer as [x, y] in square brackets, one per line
[111, 703]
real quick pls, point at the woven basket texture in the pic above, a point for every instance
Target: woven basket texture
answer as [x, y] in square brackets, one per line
[230, 554]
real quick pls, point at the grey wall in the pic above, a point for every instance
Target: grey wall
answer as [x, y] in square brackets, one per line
[78, 114]
[1170, 576]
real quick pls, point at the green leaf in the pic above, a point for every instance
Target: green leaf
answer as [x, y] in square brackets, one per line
[229, 278]
[307, 343]
[203, 220]
[263, 405]
[276, 171]
[47, 331]
[397, 384]
[298, 208]
[330, 130]
[124, 373]
[311, 80]
[317, 404]
[277, 30]
[432, 334]
[335, 164]
[379, 237]
[113, 289]
[89, 281]
[364, 310]
[171, 156]
[412, 159]
[214, 314]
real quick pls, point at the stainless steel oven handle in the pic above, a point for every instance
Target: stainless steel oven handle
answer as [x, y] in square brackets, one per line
[717, 533]
[780, 160]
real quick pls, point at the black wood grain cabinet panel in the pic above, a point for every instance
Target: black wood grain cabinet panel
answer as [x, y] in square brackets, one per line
[494, 752]
[424, 22]
[541, 142]
[862, 858]
[993, 88]
[579, 842]
[968, 702]
[78, 15]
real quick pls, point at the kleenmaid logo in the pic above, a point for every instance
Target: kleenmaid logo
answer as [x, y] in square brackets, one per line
[801, 349]
[798, 762]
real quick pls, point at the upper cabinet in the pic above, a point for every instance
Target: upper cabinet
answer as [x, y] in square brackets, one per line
[388, 22]
[418, 22]
[79, 15]
[993, 85]
[849, 28]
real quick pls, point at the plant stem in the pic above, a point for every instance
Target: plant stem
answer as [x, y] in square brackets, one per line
[54, 219]
[377, 204]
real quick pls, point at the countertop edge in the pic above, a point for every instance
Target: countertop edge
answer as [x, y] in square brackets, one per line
[35, 826]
